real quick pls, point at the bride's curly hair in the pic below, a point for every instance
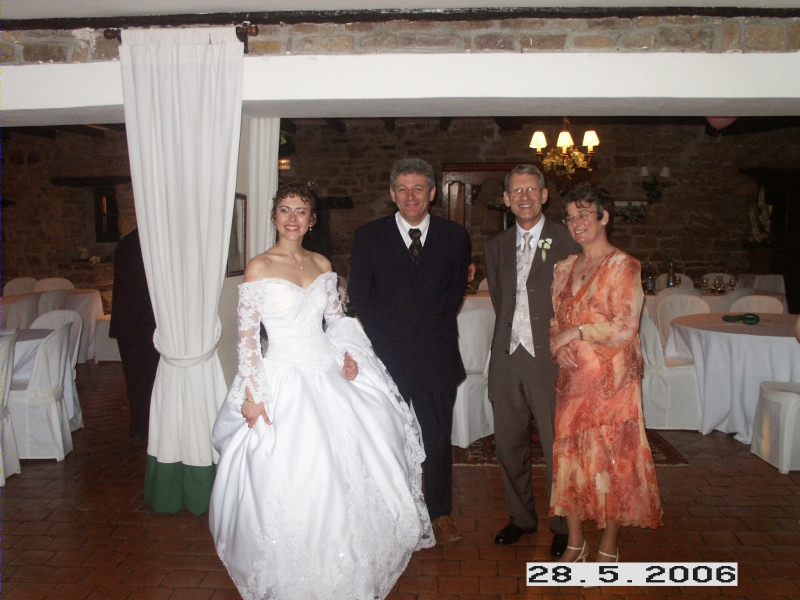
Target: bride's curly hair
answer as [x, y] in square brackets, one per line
[302, 191]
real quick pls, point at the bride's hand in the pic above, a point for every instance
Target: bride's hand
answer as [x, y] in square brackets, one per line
[349, 368]
[251, 411]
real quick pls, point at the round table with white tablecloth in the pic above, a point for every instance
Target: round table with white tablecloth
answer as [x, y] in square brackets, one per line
[86, 303]
[732, 359]
[25, 350]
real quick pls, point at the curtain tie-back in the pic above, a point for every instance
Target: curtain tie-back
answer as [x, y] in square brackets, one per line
[185, 361]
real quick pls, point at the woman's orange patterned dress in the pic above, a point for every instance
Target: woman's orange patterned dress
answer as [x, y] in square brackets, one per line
[603, 469]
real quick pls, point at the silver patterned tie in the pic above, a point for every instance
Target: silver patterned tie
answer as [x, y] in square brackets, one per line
[526, 245]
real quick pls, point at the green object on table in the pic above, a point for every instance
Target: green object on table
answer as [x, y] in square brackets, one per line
[746, 318]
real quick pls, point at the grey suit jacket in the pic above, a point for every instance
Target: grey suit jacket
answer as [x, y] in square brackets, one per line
[500, 256]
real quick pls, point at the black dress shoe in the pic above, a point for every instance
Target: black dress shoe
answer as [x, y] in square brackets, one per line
[559, 544]
[511, 534]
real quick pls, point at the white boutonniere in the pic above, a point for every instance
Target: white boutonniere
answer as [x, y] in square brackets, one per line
[545, 246]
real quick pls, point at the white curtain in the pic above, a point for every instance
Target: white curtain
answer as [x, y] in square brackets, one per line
[183, 99]
[265, 138]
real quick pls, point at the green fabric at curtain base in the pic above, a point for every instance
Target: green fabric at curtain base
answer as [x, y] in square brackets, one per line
[171, 487]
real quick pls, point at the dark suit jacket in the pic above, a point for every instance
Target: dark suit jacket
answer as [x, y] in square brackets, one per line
[500, 256]
[409, 312]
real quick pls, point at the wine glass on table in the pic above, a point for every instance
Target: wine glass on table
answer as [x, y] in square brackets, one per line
[732, 282]
[704, 285]
[719, 283]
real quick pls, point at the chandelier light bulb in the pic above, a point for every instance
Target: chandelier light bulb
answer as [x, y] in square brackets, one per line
[590, 140]
[538, 141]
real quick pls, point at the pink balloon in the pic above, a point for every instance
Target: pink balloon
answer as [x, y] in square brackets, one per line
[720, 122]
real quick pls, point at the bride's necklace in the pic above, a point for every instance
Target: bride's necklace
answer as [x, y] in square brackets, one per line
[298, 264]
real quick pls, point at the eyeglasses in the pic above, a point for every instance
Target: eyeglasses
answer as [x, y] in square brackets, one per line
[582, 216]
[531, 191]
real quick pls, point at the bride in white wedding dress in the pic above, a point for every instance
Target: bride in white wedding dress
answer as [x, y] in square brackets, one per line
[318, 488]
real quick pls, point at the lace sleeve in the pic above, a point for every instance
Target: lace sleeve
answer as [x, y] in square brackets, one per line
[250, 376]
[334, 310]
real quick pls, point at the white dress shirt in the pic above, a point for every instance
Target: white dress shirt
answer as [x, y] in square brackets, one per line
[403, 226]
[521, 324]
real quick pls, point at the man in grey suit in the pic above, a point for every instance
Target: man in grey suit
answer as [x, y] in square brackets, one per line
[519, 270]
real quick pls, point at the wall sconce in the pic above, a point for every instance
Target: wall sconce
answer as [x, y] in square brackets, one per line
[284, 164]
[654, 184]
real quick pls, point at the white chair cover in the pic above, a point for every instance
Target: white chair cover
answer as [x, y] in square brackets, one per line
[9, 457]
[758, 304]
[53, 320]
[22, 313]
[484, 284]
[663, 294]
[472, 413]
[670, 394]
[773, 282]
[20, 285]
[53, 283]
[38, 412]
[686, 281]
[726, 302]
[770, 283]
[52, 300]
[677, 305]
[776, 429]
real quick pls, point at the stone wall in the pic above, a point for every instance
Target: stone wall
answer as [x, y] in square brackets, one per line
[44, 224]
[700, 224]
[639, 34]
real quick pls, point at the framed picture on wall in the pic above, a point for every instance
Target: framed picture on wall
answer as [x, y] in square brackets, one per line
[237, 249]
[630, 211]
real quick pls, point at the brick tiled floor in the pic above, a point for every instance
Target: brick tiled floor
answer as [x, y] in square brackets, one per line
[79, 529]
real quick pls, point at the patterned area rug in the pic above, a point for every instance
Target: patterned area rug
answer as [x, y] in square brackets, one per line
[482, 452]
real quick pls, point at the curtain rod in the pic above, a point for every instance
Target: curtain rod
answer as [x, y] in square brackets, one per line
[243, 31]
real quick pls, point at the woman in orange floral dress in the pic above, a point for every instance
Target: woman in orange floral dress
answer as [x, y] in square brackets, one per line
[603, 469]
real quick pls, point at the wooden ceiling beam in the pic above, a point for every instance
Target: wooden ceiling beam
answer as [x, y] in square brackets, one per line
[338, 124]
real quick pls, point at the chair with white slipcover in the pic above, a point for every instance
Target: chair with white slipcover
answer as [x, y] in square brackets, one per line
[686, 281]
[38, 412]
[668, 292]
[53, 320]
[20, 285]
[52, 300]
[10, 456]
[484, 284]
[472, 413]
[758, 304]
[732, 296]
[670, 394]
[22, 313]
[776, 428]
[677, 305]
[53, 283]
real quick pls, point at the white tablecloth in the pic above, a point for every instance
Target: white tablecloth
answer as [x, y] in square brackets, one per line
[25, 349]
[732, 359]
[480, 299]
[87, 304]
[715, 302]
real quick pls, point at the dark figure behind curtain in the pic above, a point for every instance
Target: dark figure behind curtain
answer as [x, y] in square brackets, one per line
[133, 324]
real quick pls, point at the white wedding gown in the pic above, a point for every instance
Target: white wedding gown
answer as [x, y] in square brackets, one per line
[325, 503]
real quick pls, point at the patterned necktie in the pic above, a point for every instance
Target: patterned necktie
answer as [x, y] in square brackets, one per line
[526, 244]
[416, 245]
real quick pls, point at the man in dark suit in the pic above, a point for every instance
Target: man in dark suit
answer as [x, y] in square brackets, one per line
[519, 270]
[133, 324]
[407, 282]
